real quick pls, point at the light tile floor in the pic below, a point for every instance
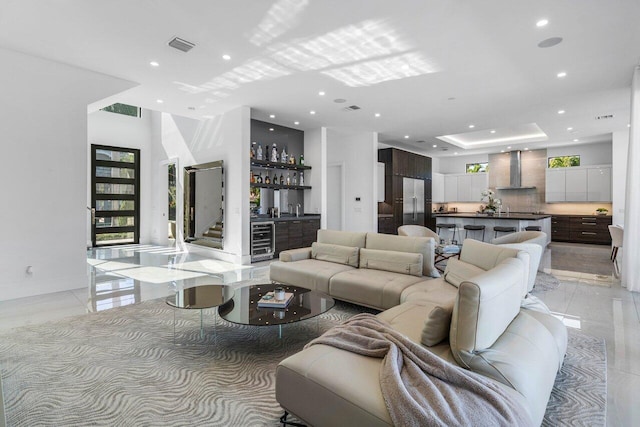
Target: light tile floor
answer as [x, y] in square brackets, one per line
[590, 298]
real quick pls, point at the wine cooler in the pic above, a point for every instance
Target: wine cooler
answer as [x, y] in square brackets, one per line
[262, 240]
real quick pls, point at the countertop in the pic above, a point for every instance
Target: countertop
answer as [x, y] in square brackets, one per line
[265, 218]
[522, 216]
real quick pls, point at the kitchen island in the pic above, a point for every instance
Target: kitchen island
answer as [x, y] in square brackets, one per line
[517, 220]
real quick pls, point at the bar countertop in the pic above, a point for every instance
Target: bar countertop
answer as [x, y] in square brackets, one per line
[516, 216]
[285, 217]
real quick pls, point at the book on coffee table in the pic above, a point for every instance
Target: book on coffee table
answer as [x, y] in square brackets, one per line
[269, 300]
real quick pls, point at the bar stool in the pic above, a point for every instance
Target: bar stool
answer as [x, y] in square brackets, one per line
[501, 229]
[473, 227]
[533, 228]
[448, 227]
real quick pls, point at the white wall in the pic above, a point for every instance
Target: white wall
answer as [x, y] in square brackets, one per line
[315, 155]
[590, 154]
[43, 120]
[620, 151]
[191, 142]
[457, 164]
[359, 153]
[118, 130]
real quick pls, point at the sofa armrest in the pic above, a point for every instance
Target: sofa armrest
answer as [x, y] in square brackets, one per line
[295, 254]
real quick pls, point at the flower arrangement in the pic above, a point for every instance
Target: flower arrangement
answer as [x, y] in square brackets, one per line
[602, 211]
[493, 204]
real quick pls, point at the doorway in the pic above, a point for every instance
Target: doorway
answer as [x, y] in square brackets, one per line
[335, 196]
[172, 190]
[115, 195]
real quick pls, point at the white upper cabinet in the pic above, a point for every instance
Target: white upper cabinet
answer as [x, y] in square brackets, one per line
[599, 184]
[479, 183]
[450, 188]
[578, 184]
[465, 187]
[437, 188]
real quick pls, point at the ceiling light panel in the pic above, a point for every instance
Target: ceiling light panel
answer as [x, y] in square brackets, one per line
[530, 132]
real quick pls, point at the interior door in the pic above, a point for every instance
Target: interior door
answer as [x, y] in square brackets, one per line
[115, 195]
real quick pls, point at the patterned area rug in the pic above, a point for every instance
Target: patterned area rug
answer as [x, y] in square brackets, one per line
[121, 367]
[545, 282]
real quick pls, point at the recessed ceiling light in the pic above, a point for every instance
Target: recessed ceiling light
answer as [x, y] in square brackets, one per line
[561, 74]
[542, 23]
[455, 154]
[226, 57]
[435, 145]
[569, 128]
[270, 129]
[550, 42]
[502, 151]
[154, 64]
[406, 137]
[296, 123]
[526, 149]
[561, 111]
[159, 101]
[509, 148]
[339, 100]
[492, 131]
[377, 114]
[628, 125]
[312, 112]
[576, 140]
[321, 93]
[472, 126]
[272, 116]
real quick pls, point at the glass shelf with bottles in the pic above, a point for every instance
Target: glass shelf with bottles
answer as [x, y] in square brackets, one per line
[277, 165]
[295, 181]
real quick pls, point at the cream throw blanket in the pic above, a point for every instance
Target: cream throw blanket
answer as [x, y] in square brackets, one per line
[421, 389]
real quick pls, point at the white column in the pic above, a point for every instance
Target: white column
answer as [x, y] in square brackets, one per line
[630, 266]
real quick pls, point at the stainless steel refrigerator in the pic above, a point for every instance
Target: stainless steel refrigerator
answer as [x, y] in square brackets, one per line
[412, 201]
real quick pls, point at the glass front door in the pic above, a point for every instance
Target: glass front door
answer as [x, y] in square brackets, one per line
[115, 195]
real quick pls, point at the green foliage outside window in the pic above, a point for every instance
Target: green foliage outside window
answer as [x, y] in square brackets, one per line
[477, 167]
[564, 161]
[127, 110]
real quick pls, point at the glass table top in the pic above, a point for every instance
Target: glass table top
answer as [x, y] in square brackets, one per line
[200, 297]
[243, 307]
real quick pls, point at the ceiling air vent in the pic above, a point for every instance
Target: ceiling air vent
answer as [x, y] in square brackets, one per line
[351, 108]
[604, 117]
[181, 44]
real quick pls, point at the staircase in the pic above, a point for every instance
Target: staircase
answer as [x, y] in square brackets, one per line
[214, 234]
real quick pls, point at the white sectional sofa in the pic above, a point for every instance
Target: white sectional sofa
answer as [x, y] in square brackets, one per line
[471, 317]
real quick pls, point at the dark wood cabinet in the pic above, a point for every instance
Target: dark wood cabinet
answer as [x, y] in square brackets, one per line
[294, 234]
[401, 164]
[592, 229]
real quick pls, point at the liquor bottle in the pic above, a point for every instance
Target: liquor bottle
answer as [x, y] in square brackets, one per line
[275, 178]
[253, 151]
[260, 178]
[283, 155]
[301, 178]
[288, 179]
[295, 178]
[301, 162]
[259, 153]
[274, 153]
[253, 178]
[281, 180]
[267, 180]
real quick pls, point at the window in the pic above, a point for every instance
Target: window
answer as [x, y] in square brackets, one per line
[477, 167]
[127, 110]
[564, 161]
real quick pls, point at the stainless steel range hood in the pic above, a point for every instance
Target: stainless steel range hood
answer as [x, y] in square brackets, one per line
[515, 173]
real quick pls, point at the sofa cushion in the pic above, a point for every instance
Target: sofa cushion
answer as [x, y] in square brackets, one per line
[434, 290]
[308, 273]
[342, 238]
[423, 245]
[347, 255]
[396, 262]
[484, 308]
[437, 325]
[372, 288]
[458, 271]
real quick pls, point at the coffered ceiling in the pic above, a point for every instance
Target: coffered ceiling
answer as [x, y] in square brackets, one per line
[417, 69]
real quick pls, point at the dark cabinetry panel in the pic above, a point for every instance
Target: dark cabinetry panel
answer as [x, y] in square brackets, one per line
[581, 229]
[295, 234]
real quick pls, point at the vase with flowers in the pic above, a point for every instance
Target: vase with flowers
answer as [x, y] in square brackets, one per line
[493, 204]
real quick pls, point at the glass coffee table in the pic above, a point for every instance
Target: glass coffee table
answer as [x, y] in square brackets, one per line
[444, 252]
[243, 307]
[199, 298]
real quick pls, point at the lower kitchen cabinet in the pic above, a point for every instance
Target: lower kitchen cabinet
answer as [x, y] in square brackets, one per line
[592, 229]
[294, 234]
